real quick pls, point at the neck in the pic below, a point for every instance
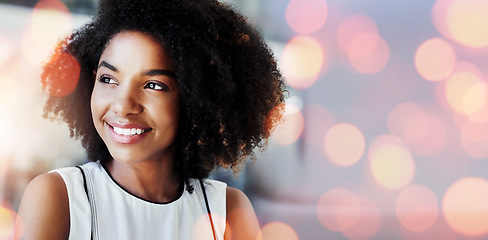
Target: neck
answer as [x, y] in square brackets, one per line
[151, 180]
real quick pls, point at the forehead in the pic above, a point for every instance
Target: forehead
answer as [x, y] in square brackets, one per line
[136, 48]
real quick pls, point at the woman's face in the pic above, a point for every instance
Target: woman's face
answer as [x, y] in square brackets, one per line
[135, 100]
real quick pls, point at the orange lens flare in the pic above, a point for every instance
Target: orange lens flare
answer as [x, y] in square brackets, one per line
[61, 74]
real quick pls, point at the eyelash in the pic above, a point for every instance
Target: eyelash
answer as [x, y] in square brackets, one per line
[149, 85]
[103, 78]
[162, 86]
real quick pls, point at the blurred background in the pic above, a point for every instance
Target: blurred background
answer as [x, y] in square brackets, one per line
[386, 127]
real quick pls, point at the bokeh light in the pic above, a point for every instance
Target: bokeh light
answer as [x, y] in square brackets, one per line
[465, 91]
[435, 59]
[467, 21]
[318, 120]
[50, 22]
[416, 208]
[433, 140]
[7, 222]
[340, 210]
[424, 133]
[391, 163]
[368, 53]
[465, 206]
[337, 209]
[408, 121]
[344, 144]
[353, 26]
[474, 138]
[439, 16]
[291, 128]
[368, 223]
[306, 16]
[277, 230]
[302, 61]
[9, 92]
[201, 228]
[481, 114]
[464, 21]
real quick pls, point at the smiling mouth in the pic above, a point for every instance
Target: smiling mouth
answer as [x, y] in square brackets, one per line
[130, 131]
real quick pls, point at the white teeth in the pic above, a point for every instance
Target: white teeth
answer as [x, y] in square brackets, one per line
[128, 131]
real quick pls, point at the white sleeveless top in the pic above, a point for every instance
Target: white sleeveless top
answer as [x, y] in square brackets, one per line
[117, 214]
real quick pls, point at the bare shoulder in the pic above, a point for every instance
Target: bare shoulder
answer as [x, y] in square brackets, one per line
[241, 218]
[44, 209]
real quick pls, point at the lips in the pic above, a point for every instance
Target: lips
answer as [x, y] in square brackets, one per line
[127, 133]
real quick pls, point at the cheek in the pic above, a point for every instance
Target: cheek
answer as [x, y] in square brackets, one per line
[96, 106]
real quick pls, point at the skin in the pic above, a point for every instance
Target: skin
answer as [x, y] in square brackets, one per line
[135, 86]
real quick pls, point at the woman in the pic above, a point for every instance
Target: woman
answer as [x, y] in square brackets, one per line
[166, 92]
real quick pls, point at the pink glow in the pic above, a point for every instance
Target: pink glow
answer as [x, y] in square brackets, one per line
[306, 16]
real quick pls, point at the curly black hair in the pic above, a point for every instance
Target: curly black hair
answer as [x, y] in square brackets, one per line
[231, 90]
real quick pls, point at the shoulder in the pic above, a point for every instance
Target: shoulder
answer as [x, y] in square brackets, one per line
[44, 209]
[241, 218]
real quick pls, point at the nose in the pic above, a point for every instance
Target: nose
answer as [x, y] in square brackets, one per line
[126, 102]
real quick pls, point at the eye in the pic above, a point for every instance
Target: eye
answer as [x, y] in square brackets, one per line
[157, 86]
[107, 80]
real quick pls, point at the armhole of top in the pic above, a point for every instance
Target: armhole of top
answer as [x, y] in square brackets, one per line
[208, 209]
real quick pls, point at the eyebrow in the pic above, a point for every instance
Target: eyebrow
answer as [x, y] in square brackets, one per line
[152, 72]
[157, 72]
[108, 65]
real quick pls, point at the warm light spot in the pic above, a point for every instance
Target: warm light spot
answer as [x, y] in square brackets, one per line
[416, 208]
[368, 223]
[467, 21]
[465, 92]
[435, 59]
[439, 16]
[7, 223]
[50, 22]
[408, 121]
[201, 228]
[317, 121]
[277, 230]
[475, 98]
[302, 61]
[465, 206]
[482, 114]
[474, 138]
[337, 209]
[392, 165]
[344, 144]
[368, 53]
[440, 230]
[353, 26]
[306, 16]
[433, 140]
[9, 92]
[291, 128]
[383, 140]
